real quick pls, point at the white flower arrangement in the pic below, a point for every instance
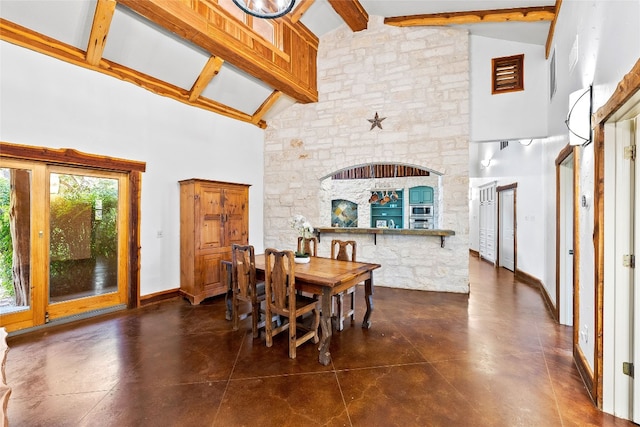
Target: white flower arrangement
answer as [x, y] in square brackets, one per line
[301, 225]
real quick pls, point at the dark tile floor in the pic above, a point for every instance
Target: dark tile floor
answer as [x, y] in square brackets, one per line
[491, 358]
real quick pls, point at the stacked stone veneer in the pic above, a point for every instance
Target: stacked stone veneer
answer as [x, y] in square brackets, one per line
[418, 78]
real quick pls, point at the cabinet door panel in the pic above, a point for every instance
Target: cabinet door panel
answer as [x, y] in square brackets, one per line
[414, 197]
[235, 202]
[210, 235]
[235, 206]
[211, 203]
[210, 207]
[420, 195]
[428, 195]
[210, 269]
[236, 232]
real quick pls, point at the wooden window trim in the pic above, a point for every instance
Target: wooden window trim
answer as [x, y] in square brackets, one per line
[134, 169]
[507, 74]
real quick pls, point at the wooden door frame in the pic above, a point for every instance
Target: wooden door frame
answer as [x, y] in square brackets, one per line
[562, 156]
[500, 189]
[133, 169]
[626, 89]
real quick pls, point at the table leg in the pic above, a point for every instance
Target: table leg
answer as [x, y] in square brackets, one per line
[368, 298]
[325, 323]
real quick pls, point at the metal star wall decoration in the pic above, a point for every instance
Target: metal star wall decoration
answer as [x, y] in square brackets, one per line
[376, 121]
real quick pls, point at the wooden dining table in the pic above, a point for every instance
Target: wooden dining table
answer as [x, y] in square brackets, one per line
[328, 277]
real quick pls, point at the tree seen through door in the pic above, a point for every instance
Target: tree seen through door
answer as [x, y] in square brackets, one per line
[83, 237]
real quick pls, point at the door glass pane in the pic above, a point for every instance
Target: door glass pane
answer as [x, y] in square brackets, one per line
[15, 240]
[83, 236]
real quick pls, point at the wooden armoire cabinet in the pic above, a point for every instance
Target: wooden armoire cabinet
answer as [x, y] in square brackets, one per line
[213, 216]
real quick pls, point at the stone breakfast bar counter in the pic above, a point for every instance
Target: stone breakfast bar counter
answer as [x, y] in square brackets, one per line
[385, 231]
[410, 258]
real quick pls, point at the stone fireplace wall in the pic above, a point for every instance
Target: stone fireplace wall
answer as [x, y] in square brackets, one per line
[418, 80]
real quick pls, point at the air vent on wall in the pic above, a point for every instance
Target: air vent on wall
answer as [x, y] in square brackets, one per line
[507, 74]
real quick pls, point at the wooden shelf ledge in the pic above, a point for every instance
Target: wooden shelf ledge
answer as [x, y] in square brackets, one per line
[387, 231]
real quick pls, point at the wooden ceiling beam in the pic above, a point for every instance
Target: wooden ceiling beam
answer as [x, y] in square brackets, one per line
[99, 30]
[522, 14]
[552, 29]
[299, 10]
[266, 105]
[352, 13]
[24, 37]
[204, 31]
[210, 70]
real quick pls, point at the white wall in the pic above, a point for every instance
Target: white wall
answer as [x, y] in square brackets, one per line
[513, 115]
[608, 45]
[551, 147]
[521, 165]
[608, 41]
[47, 102]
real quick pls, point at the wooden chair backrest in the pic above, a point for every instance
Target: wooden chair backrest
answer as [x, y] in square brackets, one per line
[243, 272]
[280, 278]
[340, 250]
[308, 245]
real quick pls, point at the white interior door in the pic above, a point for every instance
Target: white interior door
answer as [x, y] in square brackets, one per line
[566, 186]
[507, 229]
[488, 222]
[622, 274]
[621, 325]
[635, 138]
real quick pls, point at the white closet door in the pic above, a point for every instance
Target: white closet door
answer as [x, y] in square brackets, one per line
[488, 222]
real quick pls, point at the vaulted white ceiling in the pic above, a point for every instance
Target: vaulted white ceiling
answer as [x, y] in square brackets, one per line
[139, 44]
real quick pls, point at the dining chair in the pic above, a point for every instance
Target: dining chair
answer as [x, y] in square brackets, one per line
[344, 251]
[245, 287]
[283, 300]
[308, 245]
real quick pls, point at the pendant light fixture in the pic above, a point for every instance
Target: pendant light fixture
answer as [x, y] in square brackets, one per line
[266, 9]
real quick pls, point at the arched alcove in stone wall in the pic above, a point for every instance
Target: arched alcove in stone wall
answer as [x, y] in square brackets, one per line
[355, 184]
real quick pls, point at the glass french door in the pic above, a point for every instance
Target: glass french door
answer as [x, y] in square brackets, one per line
[63, 242]
[19, 275]
[87, 219]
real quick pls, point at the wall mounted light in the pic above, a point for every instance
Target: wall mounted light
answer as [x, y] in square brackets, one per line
[579, 117]
[525, 142]
[485, 163]
[266, 9]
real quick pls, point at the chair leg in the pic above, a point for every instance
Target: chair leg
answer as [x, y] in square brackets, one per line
[268, 328]
[235, 305]
[340, 311]
[292, 336]
[255, 314]
[353, 305]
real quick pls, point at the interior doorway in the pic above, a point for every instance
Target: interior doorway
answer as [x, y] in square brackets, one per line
[622, 222]
[565, 225]
[601, 377]
[66, 238]
[507, 226]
